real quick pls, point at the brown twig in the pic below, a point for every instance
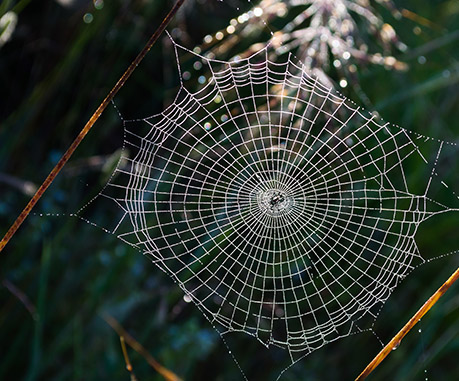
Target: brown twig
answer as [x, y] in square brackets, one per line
[89, 125]
[419, 19]
[134, 344]
[395, 342]
[126, 359]
[22, 297]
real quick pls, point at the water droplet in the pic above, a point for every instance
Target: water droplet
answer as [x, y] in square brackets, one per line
[230, 29]
[99, 4]
[258, 12]
[343, 83]
[87, 18]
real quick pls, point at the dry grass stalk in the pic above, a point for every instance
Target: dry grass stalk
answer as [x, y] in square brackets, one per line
[48, 181]
[139, 348]
[395, 342]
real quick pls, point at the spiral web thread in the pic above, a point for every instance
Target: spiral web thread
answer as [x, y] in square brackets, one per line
[282, 209]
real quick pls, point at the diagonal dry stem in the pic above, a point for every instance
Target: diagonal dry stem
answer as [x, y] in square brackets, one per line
[408, 326]
[89, 125]
[134, 344]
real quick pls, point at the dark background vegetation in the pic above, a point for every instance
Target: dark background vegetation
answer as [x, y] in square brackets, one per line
[54, 72]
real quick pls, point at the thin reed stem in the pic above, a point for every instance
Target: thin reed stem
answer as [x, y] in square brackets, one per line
[48, 181]
[395, 342]
[139, 348]
[126, 359]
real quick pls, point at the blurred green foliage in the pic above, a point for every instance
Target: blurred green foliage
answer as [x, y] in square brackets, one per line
[54, 71]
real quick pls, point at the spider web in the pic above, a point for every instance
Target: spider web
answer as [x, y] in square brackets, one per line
[279, 207]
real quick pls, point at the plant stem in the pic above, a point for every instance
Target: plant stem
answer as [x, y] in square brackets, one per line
[36, 366]
[395, 342]
[10, 233]
[139, 348]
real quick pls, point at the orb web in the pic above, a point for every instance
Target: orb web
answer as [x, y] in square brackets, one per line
[282, 209]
